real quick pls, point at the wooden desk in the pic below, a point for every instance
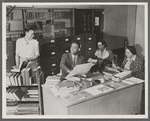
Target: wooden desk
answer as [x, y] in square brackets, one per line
[120, 101]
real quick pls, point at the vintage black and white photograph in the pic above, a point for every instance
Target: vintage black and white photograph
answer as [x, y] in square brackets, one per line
[75, 60]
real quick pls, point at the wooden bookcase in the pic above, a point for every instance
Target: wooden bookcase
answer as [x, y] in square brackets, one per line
[39, 102]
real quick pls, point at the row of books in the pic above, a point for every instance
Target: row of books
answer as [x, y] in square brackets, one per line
[62, 15]
[37, 15]
[37, 25]
[25, 78]
[27, 109]
[14, 94]
[32, 94]
[10, 110]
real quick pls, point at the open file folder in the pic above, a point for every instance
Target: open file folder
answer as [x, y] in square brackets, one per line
[80, 70]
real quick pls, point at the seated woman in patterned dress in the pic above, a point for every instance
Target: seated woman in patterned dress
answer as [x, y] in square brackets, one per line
[133, 62]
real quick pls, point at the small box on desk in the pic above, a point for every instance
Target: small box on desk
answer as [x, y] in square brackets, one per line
[86, 84]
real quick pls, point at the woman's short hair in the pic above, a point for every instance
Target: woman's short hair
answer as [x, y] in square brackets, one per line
[132, 49]
[76, 42]
[28, 29]
[103, 43]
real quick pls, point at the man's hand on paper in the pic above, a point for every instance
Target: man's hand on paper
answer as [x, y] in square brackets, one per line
[68, 71]
[90, 60]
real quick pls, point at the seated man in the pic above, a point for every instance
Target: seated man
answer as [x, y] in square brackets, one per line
[70, 60]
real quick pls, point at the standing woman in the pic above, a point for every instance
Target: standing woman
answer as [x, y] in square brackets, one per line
[133, 62]
[27, 48]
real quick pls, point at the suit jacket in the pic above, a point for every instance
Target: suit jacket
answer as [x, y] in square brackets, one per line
[136, 67]
[66, 63]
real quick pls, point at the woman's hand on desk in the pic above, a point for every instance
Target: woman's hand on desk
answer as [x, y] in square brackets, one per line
[120, 69]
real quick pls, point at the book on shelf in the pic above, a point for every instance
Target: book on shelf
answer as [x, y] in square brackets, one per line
[16, 79]
[32, 91]
[21, 66]
[28, 74]
[29, 98]
[11, 95]
[8, 82]
[12, 79]
[28, 108]
[19, 93]
[34, 95]
[20, 80]
[14, 94]
[23, 76]
[7, 94]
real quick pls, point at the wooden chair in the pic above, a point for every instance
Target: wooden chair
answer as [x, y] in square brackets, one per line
[115, 59]
[40, 81]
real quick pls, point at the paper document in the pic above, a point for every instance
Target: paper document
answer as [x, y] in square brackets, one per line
[123, 74]
[134, 80]
[98, 89]
[80, 69]
[93, 91]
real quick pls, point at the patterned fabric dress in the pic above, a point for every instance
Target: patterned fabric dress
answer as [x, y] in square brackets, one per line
[137, 67]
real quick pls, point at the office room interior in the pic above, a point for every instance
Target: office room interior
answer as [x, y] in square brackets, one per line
[33, 86]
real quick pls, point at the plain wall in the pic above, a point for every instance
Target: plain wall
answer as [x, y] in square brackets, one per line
[131, 24]
[140, 32]
[115, 25]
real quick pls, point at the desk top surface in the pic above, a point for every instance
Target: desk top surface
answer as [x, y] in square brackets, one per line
[93, 92]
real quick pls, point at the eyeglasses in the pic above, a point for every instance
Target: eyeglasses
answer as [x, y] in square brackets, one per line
[99, 45]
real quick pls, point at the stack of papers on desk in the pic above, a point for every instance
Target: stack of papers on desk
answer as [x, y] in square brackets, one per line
[133, 80]
[64, 84]
[123, 75]
[98, 89]
[115, 85]
[52, 80]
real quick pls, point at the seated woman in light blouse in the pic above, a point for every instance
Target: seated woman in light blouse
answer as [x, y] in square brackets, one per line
[103, 53]
[133, 62]
[104, 57]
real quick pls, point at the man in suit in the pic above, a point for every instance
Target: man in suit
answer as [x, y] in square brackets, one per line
[70, 60]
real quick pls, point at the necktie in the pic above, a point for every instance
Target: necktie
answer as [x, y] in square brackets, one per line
[74, 62]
